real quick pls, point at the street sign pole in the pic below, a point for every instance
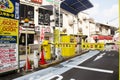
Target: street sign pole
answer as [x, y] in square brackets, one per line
[26, 49]
[26, 41]
[53, 27]
[59, 20]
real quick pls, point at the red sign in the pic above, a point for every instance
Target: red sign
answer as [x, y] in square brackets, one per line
[8, 57]
[37, 1]
[42, 34]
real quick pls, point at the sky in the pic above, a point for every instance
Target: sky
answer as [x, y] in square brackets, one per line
[104, 11]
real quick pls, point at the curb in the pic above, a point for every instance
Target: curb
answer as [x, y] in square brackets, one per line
[59, 61]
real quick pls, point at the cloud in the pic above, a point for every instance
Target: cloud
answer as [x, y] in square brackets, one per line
[111, 12]
[94, 10]
[111, 15]
[104, 14]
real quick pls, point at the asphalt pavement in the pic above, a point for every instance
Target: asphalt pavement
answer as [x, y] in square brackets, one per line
[102, 68]
[93, 65]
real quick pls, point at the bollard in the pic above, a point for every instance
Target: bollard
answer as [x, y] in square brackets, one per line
[35, 58]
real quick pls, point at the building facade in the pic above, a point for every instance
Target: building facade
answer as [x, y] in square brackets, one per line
[103, 32]
[43, 17]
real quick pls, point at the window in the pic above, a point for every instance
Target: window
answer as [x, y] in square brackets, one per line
[100, 29]
[30, 39]
[44, 17]
[26, 12]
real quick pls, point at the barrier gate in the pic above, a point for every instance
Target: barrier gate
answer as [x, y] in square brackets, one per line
[94, 46]
[67, 45]
[47, 49]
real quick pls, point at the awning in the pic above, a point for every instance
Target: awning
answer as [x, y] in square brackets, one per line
[47, 7]
[75, 6]
[72, 6]
[101, 37]
[108, 37]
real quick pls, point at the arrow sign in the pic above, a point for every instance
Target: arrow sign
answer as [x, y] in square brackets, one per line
[99, 56]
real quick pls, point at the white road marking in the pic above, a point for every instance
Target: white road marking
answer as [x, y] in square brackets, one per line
[99, 56]
[59, 77]
[111, 54]
[91, 69]
[72, 79]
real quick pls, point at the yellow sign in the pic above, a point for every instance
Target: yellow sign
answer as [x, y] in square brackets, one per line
[99, 46]
[6, 6]
[56, 34]
[8, 26]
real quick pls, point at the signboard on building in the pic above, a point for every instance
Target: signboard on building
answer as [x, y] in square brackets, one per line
[47, 29]
[8, 44]
[56, 2]
[42, 34]
[37, 1]
[8, 53]
[8, 26]
[98, 46]
[9, 9]
[9, 13]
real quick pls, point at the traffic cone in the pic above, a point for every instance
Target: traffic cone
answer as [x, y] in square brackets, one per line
[28, 65]
[42, 60]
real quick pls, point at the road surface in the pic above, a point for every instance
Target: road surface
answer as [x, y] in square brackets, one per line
[94, 65]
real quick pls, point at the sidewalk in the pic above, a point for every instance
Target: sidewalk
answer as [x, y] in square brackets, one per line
[52, 62]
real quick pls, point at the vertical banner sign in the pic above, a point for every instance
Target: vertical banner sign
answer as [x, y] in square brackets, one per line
[42, 34]
[9, 15]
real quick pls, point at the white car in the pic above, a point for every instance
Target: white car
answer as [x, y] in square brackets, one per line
[111, 46]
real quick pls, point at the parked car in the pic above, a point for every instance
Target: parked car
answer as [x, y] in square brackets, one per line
[111, 46]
